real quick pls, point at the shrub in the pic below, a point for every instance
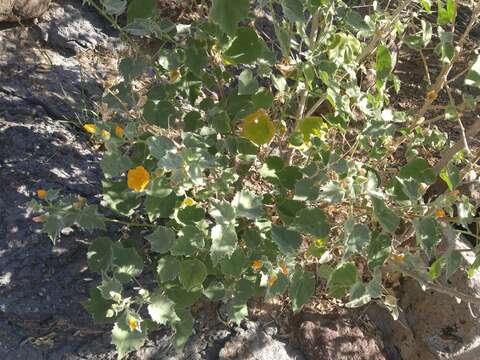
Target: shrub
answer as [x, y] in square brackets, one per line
[254, 159]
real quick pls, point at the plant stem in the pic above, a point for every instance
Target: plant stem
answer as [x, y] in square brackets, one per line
[130, 223]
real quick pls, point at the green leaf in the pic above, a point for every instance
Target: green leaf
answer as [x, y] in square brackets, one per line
[289, 176]
[357, 240]
[127, 262]
[312, 221]
[189, 241]
[114, 164]
[183, 328]
[118, 197]
[278, 287]
[160, 113]
[332, 192]
[453, 259]
[161, 240]
[385, 216]
[288, 241]
[223, 212]
[182, 298]
[115, 7]
[237, 311]
[258, 127]
[99, 255]
[245, 47]
[288, 209]
[228, 14]
[168, 268]
[436, 268]
[358, 295]
[160, 146]
[248, 205]
[140, 9]
[427, 233]
[341, 279]
[302, 288]
[418, 169]
[109, 287]
[89, 218]
[98, 306]
[192, 274]
[293, 10]
[446, 15]
[384, 63]
[53, 226]
[215, 291]
[473, 75]
[196, 57]
[191, 214]
[235, 264]
[247, 84]
[355, 20]
[224, 242]
[451, 176]
[126, 340]
[160, 207]
[162, 309]
[132, 67]
[379, 251]
[307, 189]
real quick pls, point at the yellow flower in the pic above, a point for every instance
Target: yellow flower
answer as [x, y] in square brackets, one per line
[257, 264]
[118, 131]
[105, 134]
[138, 178]
[41, 194]
[174, 74]
[283, 267]
[271, 280]
[188, 201]
[133, 324]
[90, 128]
[440, 213]
[398, 258]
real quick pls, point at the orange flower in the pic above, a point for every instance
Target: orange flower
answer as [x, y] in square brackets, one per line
[440, 213]
[257, 264]
[271, 280]
[105, 134]
[398, 258]
[133, 324]
[283, 267]
[118, 131]
[90, 128]
[41, 194]
[138, 178]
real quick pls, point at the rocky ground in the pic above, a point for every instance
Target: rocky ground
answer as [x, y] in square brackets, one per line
[51, 73]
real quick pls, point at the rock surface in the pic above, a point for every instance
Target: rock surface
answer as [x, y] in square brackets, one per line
[334, 336]
[254, 343]
[15, 10]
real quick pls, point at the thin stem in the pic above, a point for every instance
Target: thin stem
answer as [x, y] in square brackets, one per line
[130, 223]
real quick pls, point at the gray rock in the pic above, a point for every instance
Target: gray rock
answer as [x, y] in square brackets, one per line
[69, 27]
[15, 10]
[449, 329]
[253, 343]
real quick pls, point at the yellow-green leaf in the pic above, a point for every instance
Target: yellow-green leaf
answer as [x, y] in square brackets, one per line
[258, 127]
